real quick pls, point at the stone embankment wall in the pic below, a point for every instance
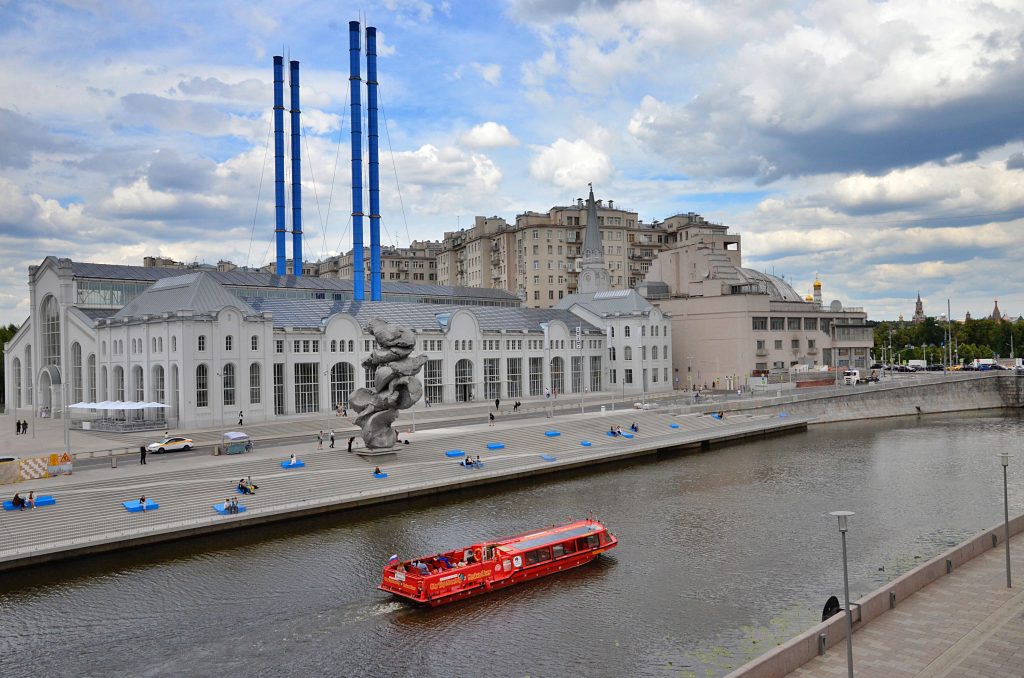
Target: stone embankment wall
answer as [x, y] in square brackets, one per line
[899, 397]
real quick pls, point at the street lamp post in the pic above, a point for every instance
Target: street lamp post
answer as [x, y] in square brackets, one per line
[1004, 459]
[842, 516]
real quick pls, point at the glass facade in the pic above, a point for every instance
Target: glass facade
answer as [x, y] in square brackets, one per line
[536, 376]
[514, 377]
[492, 378]
[307, 387]
[343, 382]
[433, 381]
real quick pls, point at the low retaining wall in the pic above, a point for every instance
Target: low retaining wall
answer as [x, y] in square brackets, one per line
[796, 652]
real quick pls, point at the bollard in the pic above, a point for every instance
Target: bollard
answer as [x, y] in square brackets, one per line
[113, 461]
[602, 410]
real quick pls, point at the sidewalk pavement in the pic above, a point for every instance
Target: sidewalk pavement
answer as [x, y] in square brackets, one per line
[967, 623]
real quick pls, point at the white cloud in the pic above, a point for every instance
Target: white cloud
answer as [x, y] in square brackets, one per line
[491, 73]
[488, 135]
[570, 164]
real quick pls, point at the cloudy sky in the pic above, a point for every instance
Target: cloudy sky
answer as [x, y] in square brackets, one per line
[877, 144]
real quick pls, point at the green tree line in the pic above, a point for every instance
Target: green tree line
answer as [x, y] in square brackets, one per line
[6, 334]
[982, 338]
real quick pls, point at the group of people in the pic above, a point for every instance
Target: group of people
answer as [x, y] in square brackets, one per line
[22, 503]
[20, 427]
[247, 486]
[320, 440]
[437, 564]
[469, 461]
[231, 505]
[617, 430]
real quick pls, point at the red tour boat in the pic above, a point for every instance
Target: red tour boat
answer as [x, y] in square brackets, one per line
[490, 565]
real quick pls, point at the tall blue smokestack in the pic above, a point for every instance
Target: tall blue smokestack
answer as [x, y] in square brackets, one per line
[279, 162]
[296, 174]
[371, 122]
[354, 80]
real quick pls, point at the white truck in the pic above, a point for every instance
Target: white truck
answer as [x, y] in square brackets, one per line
[917, 365]
[851, 377]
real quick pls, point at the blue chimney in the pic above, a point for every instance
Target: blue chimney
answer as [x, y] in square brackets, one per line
[279, 162]
[371, 122]
[296, 175]
[354, 79]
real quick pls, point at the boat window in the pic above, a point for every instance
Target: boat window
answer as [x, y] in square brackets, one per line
[537, 556]
[589, 542]
[569, 546]
[558, 550]
[547, 539]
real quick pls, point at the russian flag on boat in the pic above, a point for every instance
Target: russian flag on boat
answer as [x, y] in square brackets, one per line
[393, 559]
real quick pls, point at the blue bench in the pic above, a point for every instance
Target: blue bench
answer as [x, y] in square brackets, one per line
[297, 464]
[474, 464]
[626, 435]
[455, 453]
[547, 457]
[134, 506]
[716, 416]
[673, 425]
[552, 434]
[380, 475]
[43, 500]
[586, 443]
[495, 446]
[219, 508]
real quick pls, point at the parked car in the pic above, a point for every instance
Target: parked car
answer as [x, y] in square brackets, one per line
[171, 444]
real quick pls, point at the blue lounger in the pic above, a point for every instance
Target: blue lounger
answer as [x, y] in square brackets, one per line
[586, 443]
[715, 416]
[219, 508]
[455, 453]
[44, 500]
[783, 414]
[495, 446]
[547, 457]
[626, 435]
[298, 464]
[134, 506]
[380, 475]
[552, 434]
[673, 425]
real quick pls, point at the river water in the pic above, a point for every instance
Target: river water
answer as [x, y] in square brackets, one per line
[721, 556]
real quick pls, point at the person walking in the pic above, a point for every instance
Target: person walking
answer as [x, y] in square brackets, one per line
[17, 427]
[350, 441]
[142, 454]
[497, 404]
[24, 427]
[332, 438]
[320, 440]
[239, 417]
[491, 422]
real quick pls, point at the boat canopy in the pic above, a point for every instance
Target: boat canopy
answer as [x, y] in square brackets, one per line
[552, 538]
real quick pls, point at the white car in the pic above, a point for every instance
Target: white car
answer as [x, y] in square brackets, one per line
[170, 444]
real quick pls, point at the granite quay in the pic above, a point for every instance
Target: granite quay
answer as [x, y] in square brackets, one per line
[89, 517]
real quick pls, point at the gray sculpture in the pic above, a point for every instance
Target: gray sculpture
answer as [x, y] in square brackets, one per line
[395, 385]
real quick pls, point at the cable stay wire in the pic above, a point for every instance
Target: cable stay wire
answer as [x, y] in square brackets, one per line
[334, 175]
[316, 197]
[259, 193]
[394, 165]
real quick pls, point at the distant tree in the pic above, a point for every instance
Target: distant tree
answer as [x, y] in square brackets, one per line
[6, 334]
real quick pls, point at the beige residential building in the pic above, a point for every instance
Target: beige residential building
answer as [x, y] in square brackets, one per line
[731, 324]
[540, 257]
[416, 263]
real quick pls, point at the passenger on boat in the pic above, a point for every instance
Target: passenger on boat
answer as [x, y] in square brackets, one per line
[444, 561]
[468, 555]
[422, 567]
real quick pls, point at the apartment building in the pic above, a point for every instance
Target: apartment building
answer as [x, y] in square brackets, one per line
[416, 263]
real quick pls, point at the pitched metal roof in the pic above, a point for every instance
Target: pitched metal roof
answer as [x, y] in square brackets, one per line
[608, 302]
[196, 291]
[258, 279]
[311, 313]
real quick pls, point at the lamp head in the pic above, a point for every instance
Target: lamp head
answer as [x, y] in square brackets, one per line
[1004, 458]
[842, 516]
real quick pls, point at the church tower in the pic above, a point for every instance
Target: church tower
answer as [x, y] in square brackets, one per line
[918, 310]
[594, 277]
[996, 315]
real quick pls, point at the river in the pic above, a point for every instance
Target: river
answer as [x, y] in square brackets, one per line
[722, 555]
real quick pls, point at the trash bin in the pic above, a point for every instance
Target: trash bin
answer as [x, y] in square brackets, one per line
[113, 461]
[602, 409]
[216, 450]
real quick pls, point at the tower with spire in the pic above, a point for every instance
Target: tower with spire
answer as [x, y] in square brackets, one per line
[918, 310]
[594, 277]
[996, 315]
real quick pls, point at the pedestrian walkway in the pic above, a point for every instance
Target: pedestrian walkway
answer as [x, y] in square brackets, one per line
[89, 517]
[964, 624]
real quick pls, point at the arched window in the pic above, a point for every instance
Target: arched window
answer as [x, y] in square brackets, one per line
[103, 384]
[643, 353]
[351, 345]
[255, 387]
[90, 369]
[103, 348]
[118, 383]
[76, 372]
[334, 345]
[51, 331]
[611, 353]
[202, 342]
[558, 375]
[228, 340]
[202, 386]
[654, 353]
[464, 380]
[158, 384]
[160, 345]
[627, 353]
[627, 330]
[154, 344]
[229, 384]
[343, 382]
[29, 376]
[255, 342]
[16, 366]
[174, 344]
